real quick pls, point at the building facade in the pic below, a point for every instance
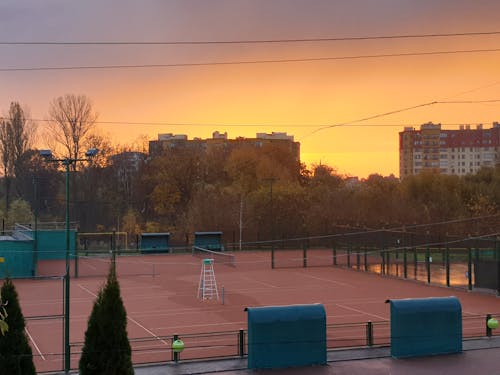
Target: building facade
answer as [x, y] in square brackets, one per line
[220, 141]
[453, 152]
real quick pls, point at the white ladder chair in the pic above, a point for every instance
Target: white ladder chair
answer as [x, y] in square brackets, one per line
[207, 287]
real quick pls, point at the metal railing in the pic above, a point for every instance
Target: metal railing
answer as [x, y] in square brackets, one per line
[234, 344]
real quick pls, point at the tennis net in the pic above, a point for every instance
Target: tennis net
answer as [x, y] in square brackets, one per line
[217, 256]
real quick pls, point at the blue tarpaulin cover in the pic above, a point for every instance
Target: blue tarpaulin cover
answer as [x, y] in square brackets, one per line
[425, 326]
[286, 336]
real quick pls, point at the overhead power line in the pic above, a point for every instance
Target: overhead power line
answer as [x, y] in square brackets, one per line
[249, 41]
[350, 123]
[300, 125]
[247, 62]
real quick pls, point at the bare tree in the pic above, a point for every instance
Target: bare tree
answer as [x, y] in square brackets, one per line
[16, 137]
[71, 120]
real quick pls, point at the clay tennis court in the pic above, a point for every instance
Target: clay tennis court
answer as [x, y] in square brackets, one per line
[160, 296]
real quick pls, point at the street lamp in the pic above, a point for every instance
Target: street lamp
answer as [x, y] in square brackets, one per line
[66, 162]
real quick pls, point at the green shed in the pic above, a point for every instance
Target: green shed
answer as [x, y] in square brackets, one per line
[425, 326]
[286, 336]
[154, 242]
[209, 240]
[17, 258]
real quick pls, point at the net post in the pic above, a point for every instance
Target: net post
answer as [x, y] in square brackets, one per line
[488, 329]
[241, 343]
[334, 251]
[272, 256]
[349, 256]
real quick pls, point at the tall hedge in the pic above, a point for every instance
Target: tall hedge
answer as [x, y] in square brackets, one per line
[16, 357]
[107, 349]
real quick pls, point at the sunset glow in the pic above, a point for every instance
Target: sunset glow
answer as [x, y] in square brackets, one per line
[294, 97]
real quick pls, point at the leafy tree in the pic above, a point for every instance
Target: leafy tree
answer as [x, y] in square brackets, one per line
[19, 212]
[130, 223]
[107, 349]
[16, 136]
[16, 357]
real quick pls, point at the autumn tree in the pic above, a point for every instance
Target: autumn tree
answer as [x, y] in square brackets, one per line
[173, 179]
[16, 357]
[71, 121]
[16, 137]
[19, 212]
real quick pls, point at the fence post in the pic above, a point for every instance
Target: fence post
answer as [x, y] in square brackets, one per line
[447, 262]
[241, 343]
[349, 256]
[469, 267]
[388, 262]
[334, 255]
[488, 329]
[175, 355]
[76, 255]
[405, 263]
[415, 263]
[366, 259]
[382, 270]
[428, 263]
[272, 256]
[304, 255]
[369, 333]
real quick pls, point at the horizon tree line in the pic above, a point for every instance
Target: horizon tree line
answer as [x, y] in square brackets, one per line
[249, 194]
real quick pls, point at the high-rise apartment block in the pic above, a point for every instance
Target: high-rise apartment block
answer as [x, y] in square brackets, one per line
[454, 152]
[220, 141]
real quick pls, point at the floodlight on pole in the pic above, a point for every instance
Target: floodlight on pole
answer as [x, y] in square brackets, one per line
[66, 162]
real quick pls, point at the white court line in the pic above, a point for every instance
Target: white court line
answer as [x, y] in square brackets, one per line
[129, 318]
[260, 282]
[321, 279]
[87, 264]
[34, 344]
[147, 330]
[360, 311]
[87, 290]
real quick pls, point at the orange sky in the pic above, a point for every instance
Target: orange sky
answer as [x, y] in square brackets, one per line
[297, 98]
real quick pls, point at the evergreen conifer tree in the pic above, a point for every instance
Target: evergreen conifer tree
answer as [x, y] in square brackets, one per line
[16, 357]
[106, 349]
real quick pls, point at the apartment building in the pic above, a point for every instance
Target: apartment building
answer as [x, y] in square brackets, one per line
[454, 152]
[220, 141]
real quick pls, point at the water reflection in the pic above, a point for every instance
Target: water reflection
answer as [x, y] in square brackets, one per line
[459, 276]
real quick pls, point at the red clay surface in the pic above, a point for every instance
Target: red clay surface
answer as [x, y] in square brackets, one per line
[163, 301]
